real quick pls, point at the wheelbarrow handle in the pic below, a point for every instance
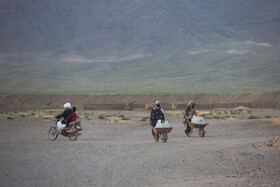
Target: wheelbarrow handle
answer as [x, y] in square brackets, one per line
[155, 131]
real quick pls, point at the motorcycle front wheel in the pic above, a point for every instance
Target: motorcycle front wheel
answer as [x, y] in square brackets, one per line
[53, 133]
[74, 136]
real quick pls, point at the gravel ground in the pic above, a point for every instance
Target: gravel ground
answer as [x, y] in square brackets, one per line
[124, 154]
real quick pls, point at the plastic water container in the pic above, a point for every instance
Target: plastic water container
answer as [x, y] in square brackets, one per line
[162, 125]
[159, 124]
[198, 120]
[165, 124]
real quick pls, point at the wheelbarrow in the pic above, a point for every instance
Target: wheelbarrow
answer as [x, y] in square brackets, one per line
[163, 133]
[199, 127]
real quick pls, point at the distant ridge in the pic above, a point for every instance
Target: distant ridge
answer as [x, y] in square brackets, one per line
[139, 47]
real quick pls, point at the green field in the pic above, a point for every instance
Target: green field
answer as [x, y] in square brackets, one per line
[209, 70]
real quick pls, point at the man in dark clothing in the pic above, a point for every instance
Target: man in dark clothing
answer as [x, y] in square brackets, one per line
[157, 113]
[189, 112]
[65, 113]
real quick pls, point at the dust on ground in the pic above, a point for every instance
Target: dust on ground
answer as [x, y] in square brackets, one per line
[116, 148]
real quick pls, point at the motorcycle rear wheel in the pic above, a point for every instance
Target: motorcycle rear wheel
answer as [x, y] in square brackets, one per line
[53, 133]
[74, 136]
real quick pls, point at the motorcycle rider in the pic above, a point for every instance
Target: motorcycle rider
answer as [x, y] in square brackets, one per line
[65, 114]
[72, 117]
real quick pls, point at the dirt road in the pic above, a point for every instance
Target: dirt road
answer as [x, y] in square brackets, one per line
[124, 154]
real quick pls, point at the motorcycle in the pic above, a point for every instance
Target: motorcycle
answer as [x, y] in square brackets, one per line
[57, 129]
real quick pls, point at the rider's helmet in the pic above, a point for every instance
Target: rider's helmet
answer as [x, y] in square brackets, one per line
[67, 105]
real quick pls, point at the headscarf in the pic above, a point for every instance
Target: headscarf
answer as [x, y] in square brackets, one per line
[67, 105]
[156, 107]
[191, 104]
[190, 110]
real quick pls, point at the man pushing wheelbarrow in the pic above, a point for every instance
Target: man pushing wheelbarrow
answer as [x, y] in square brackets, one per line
[189, 112]
[156, 120]
[192, 121]
[157, 113]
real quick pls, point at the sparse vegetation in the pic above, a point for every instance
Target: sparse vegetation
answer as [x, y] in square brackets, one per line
[267, 116]
[10, 118]
[235, 112]
[217, 112]
[216, 117]
[210, 113]
[80, 107]
[144, 119]
[125, 118]
[278, 106]
[102, 116]
[22, 115]
[249, 111]
[4, 112]
[254, 117]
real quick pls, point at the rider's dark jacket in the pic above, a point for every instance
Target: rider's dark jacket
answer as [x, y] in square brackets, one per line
[64, 115]
[156, 114]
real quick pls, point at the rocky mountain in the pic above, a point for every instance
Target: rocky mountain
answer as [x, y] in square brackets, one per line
[139, 46]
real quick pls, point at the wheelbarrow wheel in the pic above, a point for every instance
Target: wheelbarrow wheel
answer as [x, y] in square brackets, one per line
[201, 132]
[164, 137]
